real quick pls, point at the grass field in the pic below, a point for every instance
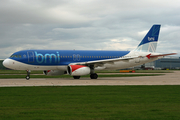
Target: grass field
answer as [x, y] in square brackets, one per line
[90, 102]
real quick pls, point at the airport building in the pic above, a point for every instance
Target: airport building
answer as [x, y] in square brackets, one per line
[165, 63]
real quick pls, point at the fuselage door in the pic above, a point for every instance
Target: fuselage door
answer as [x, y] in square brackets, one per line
[30, 56]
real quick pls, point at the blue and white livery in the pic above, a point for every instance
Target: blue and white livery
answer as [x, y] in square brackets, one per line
[84, 62]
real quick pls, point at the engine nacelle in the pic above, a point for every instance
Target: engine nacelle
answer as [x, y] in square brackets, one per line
[54, 72]
[78, 70]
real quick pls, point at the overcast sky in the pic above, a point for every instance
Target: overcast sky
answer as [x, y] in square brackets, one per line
[87, 24]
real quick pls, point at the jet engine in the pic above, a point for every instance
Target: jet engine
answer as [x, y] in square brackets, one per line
[78, 70]
[54, 72]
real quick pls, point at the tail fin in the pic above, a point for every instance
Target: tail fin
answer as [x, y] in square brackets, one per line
[149, 43]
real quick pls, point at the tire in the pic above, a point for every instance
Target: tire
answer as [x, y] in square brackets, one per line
[27, 77]
[94, 76]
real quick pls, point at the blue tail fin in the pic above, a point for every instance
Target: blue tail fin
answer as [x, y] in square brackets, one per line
[149, 43]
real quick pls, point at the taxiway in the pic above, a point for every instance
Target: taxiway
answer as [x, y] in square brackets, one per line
[166, 79]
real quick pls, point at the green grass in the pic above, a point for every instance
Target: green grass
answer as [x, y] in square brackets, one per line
[90, 102]
[68, 76]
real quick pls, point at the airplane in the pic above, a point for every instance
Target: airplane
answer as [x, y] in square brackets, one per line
[83, 62]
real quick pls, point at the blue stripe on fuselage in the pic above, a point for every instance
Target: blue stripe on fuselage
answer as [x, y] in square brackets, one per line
[63, 57]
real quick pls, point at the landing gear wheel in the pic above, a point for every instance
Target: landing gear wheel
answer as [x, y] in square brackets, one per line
[27, 77]
[94, 76]
[76, 77]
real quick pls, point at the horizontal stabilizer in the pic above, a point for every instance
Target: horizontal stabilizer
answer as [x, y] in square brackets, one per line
[160, 55]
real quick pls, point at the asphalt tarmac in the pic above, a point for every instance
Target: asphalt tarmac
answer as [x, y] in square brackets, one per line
[167, 79]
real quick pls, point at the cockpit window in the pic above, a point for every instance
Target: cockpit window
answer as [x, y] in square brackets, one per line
[11, 56]
[15, 56]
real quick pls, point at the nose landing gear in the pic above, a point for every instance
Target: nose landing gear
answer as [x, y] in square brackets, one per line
[28, 75]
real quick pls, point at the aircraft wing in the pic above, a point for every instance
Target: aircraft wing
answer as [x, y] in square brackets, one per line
[110, 61]
[97, 63]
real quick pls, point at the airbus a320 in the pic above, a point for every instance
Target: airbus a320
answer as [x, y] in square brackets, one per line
[83, 62]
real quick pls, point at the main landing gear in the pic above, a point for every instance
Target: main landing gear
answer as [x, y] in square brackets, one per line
[93, 75]
[28, 75]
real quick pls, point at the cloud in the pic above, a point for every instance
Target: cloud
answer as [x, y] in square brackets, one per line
[89, 24]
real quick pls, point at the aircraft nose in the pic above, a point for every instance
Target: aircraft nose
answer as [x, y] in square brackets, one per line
[6, 63]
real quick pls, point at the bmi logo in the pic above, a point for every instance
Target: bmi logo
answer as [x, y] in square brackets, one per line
[40, 58]
[151, 38]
